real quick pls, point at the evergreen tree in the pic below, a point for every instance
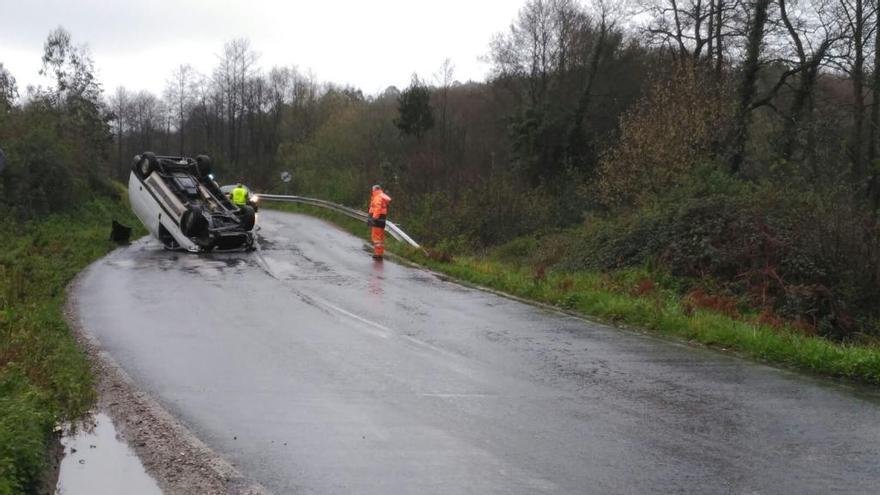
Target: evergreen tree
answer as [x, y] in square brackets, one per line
[414, 105]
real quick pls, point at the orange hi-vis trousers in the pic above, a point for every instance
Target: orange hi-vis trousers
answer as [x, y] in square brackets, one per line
[377, 234]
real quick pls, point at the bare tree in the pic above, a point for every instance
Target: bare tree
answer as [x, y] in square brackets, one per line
[236, 66]
[8, 89]
[120, 105]
[679, 26]
[538, 46]
[147, 120]
[694, 30]
[443, 78]
[812, 30]
[179, 93]
[717, 25]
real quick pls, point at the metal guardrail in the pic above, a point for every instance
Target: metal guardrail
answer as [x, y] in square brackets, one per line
[392, 228]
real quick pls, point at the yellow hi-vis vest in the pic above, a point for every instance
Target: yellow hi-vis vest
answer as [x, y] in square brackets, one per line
[239, 196]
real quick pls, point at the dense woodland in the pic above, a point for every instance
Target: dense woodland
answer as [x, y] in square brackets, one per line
[732, 144]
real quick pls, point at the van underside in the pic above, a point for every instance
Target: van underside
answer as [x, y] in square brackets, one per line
[182, 206]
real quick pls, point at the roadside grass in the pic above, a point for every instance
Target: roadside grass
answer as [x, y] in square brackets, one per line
[45, 378]
[629, 297]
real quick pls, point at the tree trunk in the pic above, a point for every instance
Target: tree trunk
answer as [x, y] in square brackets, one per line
[751, 65]
[586, 94]
[719, 45]
[874, 145]
[799, 114]
[118, 172]
[858, 76]
[180, 125]
[710, 30]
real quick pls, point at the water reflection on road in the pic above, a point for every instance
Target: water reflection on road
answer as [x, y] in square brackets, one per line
[376, 280]
[97, 462]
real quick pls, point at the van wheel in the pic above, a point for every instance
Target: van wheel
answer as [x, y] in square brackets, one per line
[248, 217]
[204, 165]
[193, 223]
[148, 164]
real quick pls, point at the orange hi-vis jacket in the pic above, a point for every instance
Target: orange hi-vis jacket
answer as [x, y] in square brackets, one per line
[379, 205]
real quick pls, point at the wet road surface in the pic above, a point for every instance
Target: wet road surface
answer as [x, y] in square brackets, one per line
[315, 370]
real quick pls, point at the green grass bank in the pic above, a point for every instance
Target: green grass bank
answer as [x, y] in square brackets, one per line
[646, 299]
[45, 378]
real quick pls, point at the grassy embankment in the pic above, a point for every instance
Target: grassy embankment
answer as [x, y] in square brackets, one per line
[645, 299]
[45, 377]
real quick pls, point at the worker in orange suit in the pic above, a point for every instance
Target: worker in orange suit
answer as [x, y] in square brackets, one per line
[376, 220]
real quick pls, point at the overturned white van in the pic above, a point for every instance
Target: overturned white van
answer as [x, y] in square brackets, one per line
[180, 204]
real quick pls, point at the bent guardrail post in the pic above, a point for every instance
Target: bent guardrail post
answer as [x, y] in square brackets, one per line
[391, 227]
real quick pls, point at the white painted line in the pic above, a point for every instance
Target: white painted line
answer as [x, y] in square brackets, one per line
[384, 332]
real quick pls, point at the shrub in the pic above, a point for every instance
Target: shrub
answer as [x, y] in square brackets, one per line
[26, 418]
[811, 258]
[484, 214]
[673, 130]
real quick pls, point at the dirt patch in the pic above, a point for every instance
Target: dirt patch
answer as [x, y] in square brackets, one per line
[180, 462]
[49, 476]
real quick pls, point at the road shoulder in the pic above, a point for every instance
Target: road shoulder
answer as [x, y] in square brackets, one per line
[180, 462]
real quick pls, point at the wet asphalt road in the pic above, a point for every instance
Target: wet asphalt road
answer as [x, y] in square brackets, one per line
[316, 370]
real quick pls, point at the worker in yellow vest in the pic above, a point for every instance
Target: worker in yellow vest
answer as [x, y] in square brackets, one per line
[239, 195]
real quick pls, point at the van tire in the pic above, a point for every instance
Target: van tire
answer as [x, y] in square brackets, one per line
[204, 165]
[248, 217]
[193, 223]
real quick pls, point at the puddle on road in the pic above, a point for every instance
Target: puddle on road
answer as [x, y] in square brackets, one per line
[98, 462]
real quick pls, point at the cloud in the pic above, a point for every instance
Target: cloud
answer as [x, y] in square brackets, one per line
[373, 44]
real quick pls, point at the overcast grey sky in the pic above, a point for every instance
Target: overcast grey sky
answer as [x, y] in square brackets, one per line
[370, 44]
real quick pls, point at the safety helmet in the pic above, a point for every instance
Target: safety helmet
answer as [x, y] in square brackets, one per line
[376, 187]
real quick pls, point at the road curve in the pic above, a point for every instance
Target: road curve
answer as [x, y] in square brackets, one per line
[315, 370]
